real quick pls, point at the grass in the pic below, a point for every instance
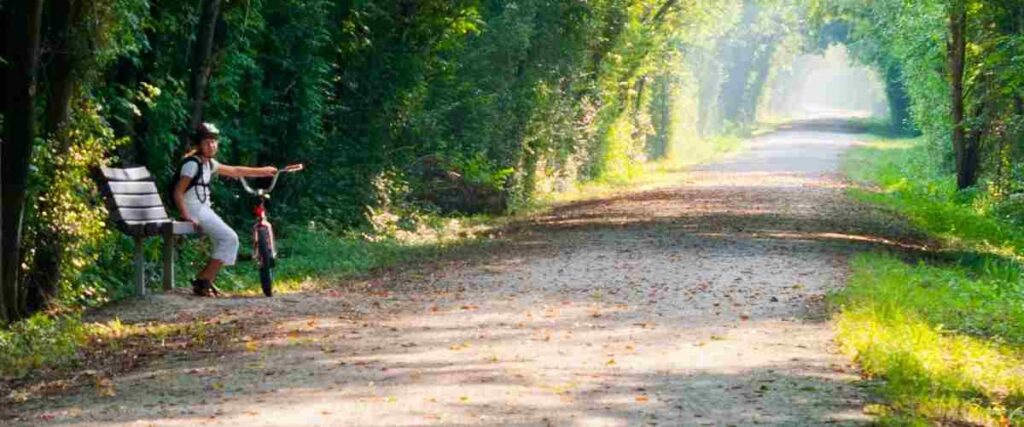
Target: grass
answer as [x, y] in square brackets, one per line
[666, 172]
[908, 182]
[39, 341]
[310, 258]
[46, 354]
[46, 341]
[944, 338]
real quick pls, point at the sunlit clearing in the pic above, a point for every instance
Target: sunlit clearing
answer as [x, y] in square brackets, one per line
[824, 86]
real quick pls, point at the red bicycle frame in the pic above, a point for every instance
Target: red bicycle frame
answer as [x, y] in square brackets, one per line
[260, 212]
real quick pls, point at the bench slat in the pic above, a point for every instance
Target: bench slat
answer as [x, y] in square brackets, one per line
[157, 214]
[127, 174]
[130, 187]
[138, 201]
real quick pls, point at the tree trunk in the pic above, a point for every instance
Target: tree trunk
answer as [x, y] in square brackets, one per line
[966, 156]
[42, 280]
[739, 57]
[660, 110]
[731, 95]
[899, 100]
[125, 123]
[659, 17]
[64, 15]
[753, 93]
[201, 66]
[22, 21]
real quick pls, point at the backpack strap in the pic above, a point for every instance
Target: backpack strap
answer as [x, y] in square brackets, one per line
[198, 179]
[203, 193]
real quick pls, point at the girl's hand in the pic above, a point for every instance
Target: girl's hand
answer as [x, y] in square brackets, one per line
[194, 223]
[268, 171]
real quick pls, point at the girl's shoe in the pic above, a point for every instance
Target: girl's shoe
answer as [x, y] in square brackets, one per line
[204, 288]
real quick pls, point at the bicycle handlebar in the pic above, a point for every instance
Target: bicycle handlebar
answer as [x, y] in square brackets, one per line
[273, 183]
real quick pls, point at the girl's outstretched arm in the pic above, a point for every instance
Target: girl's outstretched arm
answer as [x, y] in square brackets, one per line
[245, 171]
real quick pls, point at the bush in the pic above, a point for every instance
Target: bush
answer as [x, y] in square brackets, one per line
[40, 341]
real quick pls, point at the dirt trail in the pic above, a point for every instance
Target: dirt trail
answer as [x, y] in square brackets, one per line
[694, 305]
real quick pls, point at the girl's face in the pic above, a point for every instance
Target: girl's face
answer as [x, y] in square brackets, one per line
[208, 147]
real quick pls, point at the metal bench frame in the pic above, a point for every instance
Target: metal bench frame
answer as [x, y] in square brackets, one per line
[132, 197]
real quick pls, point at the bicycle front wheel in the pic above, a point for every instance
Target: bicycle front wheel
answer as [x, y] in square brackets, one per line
[266, 261]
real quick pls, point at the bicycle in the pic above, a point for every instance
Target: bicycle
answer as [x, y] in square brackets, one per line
[264, 251]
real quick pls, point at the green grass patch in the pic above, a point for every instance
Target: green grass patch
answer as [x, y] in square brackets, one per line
[47, 346]
[39, 341]
[310, 257]
[944, 337]
[655, 174]
[907, 181]
[945, 340]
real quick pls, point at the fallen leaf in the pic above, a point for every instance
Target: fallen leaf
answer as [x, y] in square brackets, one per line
[19, 396]
[460, 346]
[105, 387]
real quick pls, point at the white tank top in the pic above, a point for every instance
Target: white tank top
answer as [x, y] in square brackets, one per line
[199, 194]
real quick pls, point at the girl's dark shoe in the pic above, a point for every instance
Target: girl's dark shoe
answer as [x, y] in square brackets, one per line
[204, 288]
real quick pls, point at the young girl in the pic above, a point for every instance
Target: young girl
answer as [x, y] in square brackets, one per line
[192, 197]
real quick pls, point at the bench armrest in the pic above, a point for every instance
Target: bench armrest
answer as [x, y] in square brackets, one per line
[183, 227]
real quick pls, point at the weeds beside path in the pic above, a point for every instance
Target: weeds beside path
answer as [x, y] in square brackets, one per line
[942, 334]
[700, 303]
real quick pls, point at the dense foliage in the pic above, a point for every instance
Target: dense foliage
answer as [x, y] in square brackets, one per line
[438, 106]
[395, 106]
[954, 70]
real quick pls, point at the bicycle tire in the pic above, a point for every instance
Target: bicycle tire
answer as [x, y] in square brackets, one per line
[266, 261]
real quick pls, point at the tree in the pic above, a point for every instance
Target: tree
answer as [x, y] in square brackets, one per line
[22, 21]
[966, 148]
[202, 66]
[63, 72]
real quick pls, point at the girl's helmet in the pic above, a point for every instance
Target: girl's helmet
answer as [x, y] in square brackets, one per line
[205, 130]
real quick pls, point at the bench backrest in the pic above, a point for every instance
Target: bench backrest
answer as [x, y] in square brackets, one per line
[133, 200]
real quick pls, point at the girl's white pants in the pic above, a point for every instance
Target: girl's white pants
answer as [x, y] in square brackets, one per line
[225, 240]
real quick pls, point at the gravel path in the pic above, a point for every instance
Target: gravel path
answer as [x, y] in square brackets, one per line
[700, 304]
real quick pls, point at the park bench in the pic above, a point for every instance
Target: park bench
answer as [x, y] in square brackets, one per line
[135, 207]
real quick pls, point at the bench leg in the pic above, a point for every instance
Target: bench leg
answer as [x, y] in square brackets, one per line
[169, 254]
[140, 267]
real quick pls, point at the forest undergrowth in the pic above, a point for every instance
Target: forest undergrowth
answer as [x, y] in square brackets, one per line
[941, 337]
